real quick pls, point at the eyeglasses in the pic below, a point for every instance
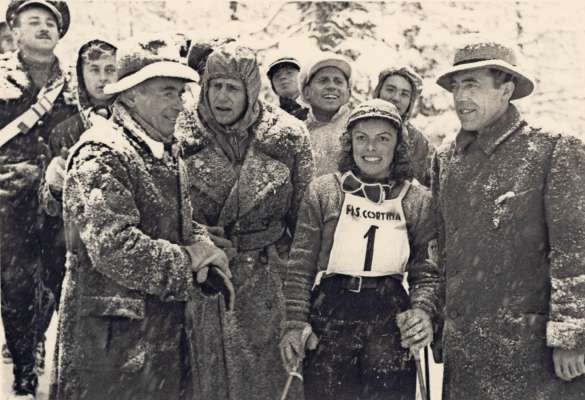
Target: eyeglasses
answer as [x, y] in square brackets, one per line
[375, 192]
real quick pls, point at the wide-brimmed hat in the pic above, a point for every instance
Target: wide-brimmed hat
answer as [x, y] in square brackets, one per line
[375, 108]
[140, 63]
[281, 62]
[327, 60]
[488, 55]
[59, 9]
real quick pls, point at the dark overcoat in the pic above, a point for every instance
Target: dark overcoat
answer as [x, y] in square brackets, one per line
[511, 205]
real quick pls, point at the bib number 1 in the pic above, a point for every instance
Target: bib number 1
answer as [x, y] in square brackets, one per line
[371, 236]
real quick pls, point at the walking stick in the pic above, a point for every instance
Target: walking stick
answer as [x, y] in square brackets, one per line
[427, 373]
[421, 378]
[294, 372]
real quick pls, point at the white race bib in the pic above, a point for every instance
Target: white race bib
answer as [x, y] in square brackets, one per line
[370, 239]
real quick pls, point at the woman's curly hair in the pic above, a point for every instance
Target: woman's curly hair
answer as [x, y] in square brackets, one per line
[400, 167]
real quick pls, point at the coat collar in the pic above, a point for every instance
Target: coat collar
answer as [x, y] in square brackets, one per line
[492, 136]
[341, 115]
[121, 116]
[15, 80]
[259, 176]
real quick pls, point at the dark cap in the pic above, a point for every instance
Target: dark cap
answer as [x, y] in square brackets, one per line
[58, 8]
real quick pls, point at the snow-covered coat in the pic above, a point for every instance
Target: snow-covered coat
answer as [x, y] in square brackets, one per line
[511, 206]
[65, 134]
[253, 190]
[27, 235]
[127, 215]
[318, 217]
[325, 139]
[421, 150]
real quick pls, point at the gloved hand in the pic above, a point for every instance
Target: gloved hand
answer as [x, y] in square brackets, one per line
[55, 174]
[217, 235]
[569, 364]
[203, 254]
[215, 280]
[416, 329]
[14, 177]
[293, 345]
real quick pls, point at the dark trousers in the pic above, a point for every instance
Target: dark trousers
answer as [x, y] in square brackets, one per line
[359, 355]
[31, 266]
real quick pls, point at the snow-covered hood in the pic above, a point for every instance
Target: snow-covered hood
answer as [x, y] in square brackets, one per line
[82, 93]
[234, 62]
[411, 76]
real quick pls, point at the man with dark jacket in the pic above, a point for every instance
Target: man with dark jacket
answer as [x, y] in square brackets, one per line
[284, 79]
[510, 200]
[34, 97]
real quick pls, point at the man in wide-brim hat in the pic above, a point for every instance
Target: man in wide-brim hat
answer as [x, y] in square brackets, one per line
[511, 205]
[132, 248]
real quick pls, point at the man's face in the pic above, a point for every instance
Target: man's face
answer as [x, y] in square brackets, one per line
[159, 101]
[228, 100]
[36, 29]
[328, 90]
[397, 90]
[477, 102]
[6, 41]
[97, 74]
[286, 82]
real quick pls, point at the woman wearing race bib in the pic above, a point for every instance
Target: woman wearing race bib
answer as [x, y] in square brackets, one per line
[359, 231]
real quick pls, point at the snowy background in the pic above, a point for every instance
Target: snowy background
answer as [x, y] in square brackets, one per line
[375, 35]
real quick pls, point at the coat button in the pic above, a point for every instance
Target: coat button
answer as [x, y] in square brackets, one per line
[497, 269]
[453, 314]
[40, 122]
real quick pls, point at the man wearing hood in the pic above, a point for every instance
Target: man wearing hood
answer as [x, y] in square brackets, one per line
[249, 164]
[96, 67]
[283, 74]
[132, 249]
[326, 87]
[510, 202]
[34, 97]
[402, 87]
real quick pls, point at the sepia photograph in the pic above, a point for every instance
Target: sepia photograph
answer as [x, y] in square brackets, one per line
[292, 200]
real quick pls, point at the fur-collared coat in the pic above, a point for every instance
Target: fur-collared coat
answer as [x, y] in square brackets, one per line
[127, 216]
[511, 207]
[256, 201]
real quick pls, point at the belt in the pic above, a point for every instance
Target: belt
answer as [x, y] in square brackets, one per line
[356, 284]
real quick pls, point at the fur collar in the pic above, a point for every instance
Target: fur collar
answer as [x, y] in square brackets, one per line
[15, 81]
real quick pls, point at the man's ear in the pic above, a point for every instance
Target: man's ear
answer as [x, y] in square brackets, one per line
[307, 94]
[508, 90]
[128, 97]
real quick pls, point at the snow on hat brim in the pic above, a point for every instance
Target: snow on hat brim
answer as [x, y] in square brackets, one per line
[375, 108]
[159, 69]
[59, 9]
[524, 84]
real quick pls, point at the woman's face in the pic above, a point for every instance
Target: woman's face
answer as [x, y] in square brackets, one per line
[373, 141]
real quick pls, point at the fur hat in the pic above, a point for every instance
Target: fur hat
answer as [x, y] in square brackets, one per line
[138, 64]
[494, 55]
[59, 9]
